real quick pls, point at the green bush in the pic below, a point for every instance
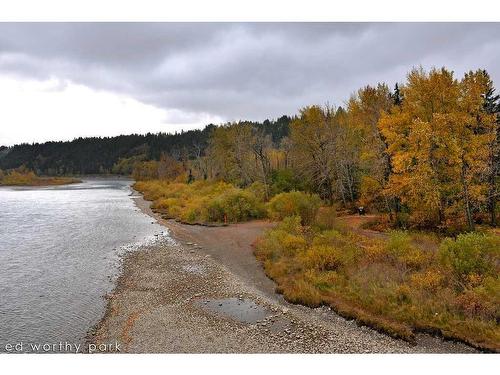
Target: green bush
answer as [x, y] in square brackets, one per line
[236, 205]
[295, 203]
[401, 249]
[471, 253]
[285, 180]
[258, 189]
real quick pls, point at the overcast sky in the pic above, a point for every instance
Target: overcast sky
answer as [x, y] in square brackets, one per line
[60, 81]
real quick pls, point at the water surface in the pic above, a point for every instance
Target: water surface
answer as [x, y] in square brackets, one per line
[59, 252]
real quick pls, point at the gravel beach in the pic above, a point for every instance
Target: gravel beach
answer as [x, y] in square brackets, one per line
[201, 290]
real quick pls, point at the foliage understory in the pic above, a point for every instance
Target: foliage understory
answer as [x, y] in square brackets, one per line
[207, 202]
[202, 201]
[23, 177]
[397, 285]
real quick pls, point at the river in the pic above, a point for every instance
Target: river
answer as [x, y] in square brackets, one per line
[60, 251]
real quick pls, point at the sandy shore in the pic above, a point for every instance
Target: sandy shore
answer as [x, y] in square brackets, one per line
[201, 290]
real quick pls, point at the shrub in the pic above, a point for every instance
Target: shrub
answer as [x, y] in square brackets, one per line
[390, 283]
[23, 176]
[202, 201]
[478, 302]
[400, 248]
[324, 258]
[284, 180]
[258, 189]
[295, 203]
[326, 218]
[471, 253]
[145, 170]
[278, 243]
[291, 224]
[19, 177]
[428, 280]
[234, 205]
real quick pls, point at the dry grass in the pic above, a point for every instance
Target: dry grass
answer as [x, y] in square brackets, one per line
[398, 285]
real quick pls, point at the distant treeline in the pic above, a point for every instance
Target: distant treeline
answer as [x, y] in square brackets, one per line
[427, 153]
[117, 154]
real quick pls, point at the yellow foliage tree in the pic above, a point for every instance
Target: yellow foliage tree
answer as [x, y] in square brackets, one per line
[438, 141]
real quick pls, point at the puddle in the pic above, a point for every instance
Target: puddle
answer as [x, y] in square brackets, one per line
[241, 310]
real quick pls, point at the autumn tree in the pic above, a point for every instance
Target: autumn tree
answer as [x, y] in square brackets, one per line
[169, 168]
[438, 141]
[228, 153]
[364, 110]
[262, 149]
[145, 170]
[316, 151]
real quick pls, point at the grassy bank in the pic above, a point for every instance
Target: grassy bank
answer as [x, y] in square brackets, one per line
[395, 285]
[29, 178]
[398, 282]
[207, 202]
[203, 202]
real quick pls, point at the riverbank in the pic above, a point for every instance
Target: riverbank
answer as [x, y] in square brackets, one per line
[60, 252]
[40, 181]
[204, 291]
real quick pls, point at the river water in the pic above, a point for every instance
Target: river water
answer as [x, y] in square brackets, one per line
[60, 251]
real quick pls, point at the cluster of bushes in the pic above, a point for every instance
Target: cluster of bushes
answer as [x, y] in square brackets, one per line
[25, 177]
[294, 203]
[400, 284]
[218, 202]
[203, 201]
[17, 177]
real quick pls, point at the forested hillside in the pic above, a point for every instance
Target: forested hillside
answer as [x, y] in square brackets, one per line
[100, 155]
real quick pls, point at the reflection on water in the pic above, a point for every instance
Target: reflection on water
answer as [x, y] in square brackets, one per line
[59, 250]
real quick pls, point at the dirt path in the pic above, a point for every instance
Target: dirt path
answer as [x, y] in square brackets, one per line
[205, 292]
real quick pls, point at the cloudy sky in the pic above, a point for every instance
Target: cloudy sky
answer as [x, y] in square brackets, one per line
[60, 81]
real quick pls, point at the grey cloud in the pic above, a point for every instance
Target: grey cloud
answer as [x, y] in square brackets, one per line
[242, 70]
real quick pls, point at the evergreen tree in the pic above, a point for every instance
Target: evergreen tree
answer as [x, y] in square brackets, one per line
[492, 106]
[397, 96]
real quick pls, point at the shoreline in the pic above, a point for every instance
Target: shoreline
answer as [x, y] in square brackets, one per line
[47, 181]
[204, 291]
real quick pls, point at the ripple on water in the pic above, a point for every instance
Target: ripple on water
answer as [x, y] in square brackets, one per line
[60, 251]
